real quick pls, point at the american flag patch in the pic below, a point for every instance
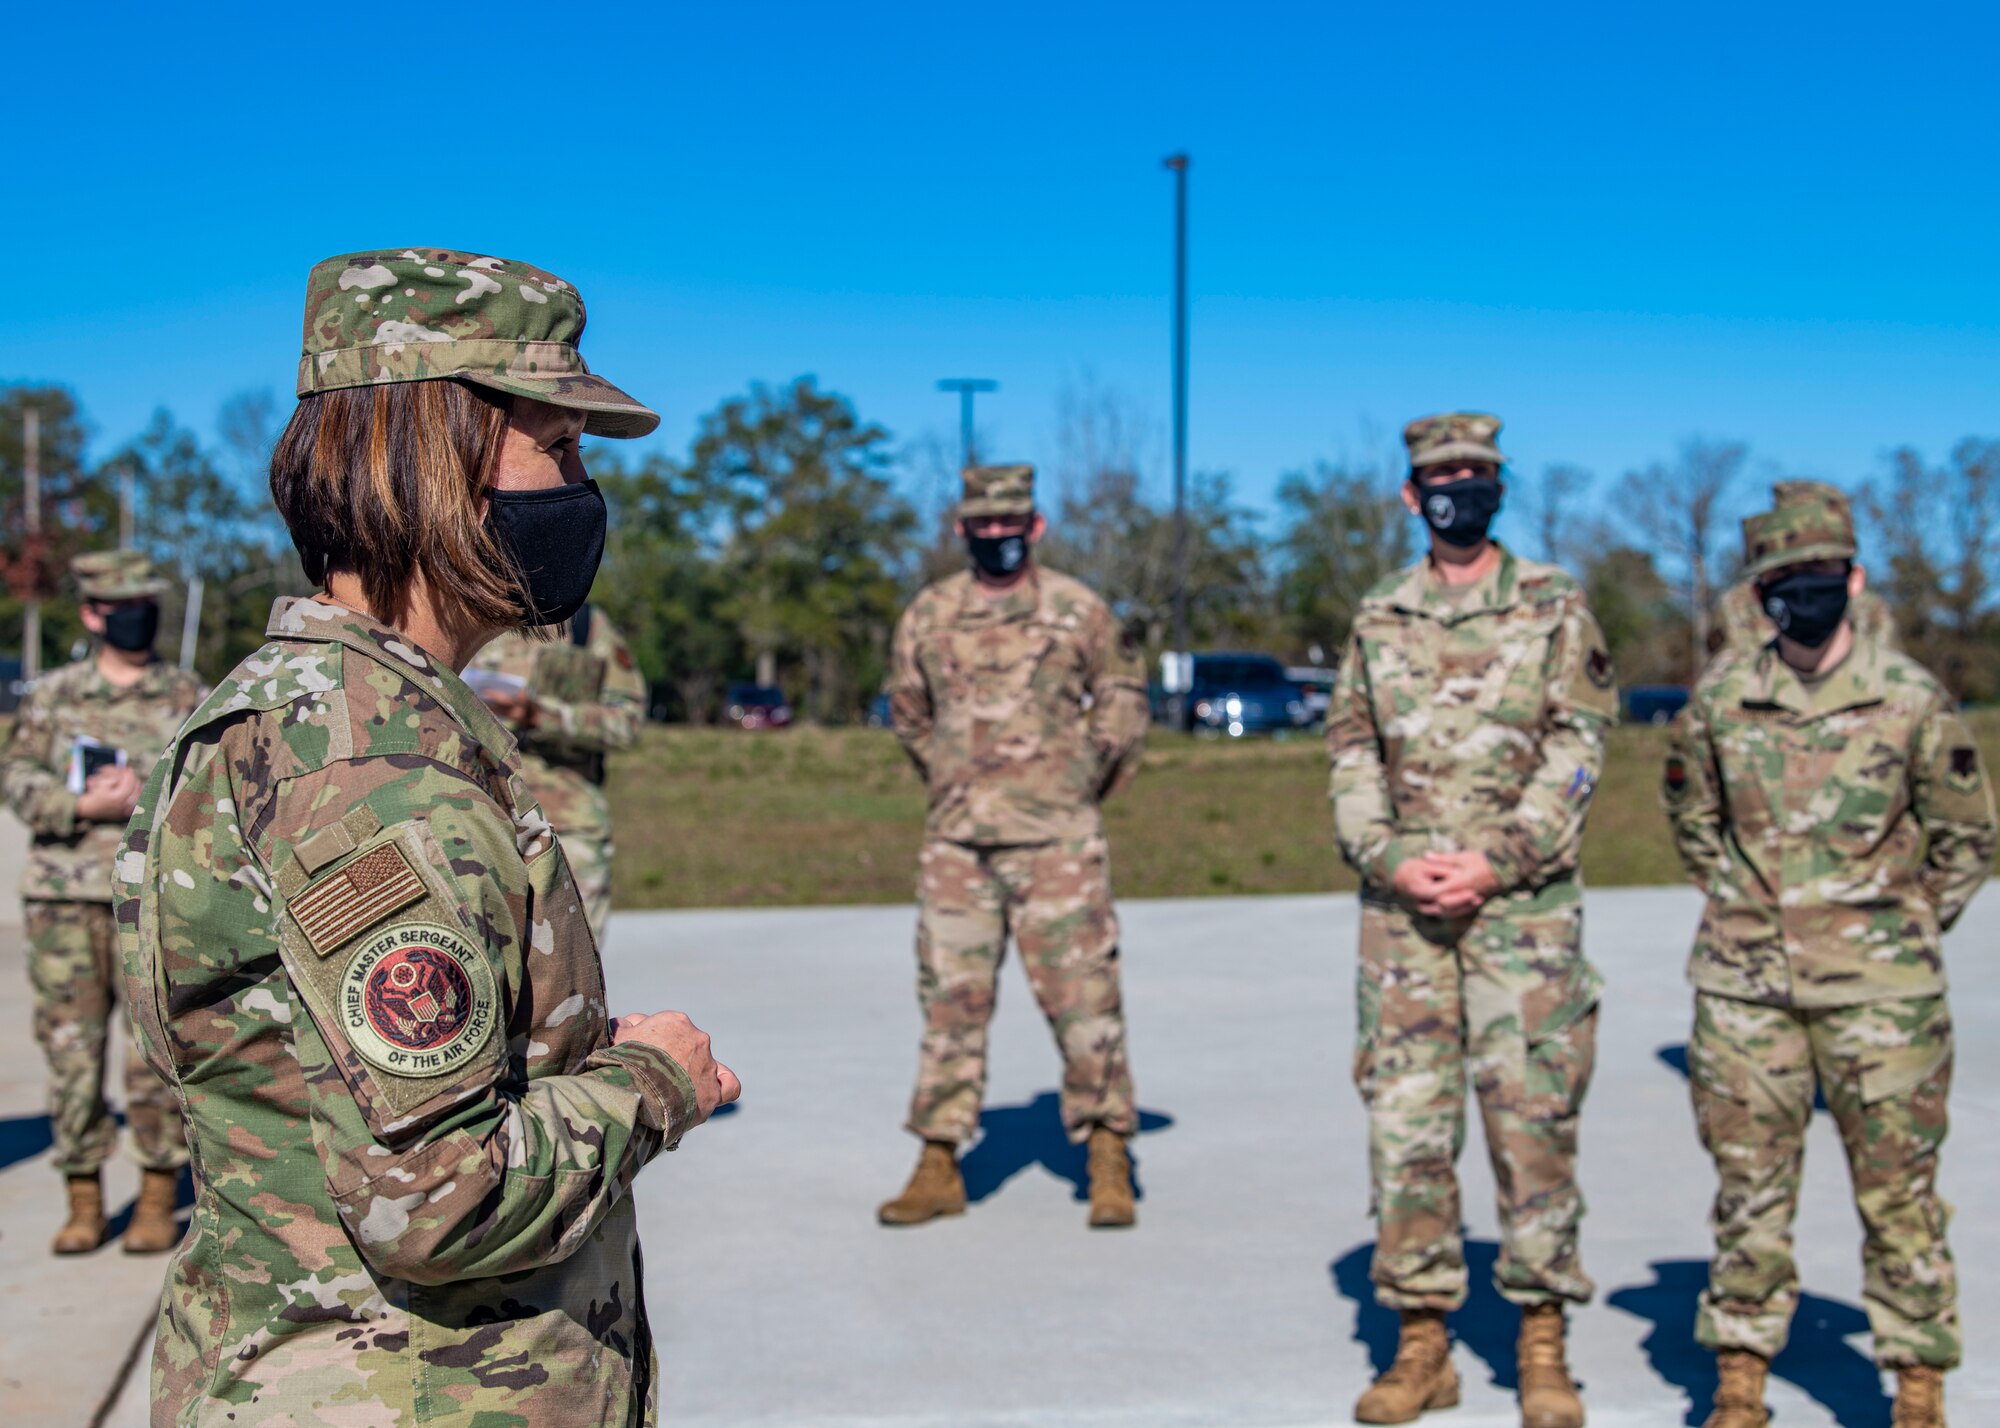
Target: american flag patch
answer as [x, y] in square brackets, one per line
[335, 908]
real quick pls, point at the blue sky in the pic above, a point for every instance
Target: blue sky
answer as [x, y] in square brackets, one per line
[1617, 226]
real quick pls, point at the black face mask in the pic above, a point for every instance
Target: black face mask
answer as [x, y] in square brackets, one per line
[132, 628]
[1807, 607]
[556, 537]
[1461, 511]
[998, 556]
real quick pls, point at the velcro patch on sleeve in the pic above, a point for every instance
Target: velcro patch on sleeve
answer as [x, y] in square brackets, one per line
[1963, 773]
[418, 1000]
[339, 907]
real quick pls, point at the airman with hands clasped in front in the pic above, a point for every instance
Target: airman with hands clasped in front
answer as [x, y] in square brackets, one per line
[82, 742]
[1466, 735]
[1830, 802]
[351, 939]
[568, 701]
[1023, 709]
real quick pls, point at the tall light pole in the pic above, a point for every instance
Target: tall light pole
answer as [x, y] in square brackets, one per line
[966, 387]
[1179, 164]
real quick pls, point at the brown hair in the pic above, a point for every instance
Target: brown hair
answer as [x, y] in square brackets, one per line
[384, 481]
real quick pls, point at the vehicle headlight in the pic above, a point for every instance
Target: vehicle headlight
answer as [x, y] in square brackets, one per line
[1297, 709]
[1233, 707]
[1203, 709]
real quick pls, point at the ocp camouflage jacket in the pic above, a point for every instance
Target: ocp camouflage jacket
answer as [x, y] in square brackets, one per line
[70, 860]
[1022, 713]
[1470, 719]
[354, 949]
[1837, 828]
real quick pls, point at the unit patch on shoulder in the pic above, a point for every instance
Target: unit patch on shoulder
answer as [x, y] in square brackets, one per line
[348, 902]
[1597, 666]
[418, 1000]
[1964, 772]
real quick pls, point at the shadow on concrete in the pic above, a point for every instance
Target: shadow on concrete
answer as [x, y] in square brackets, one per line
[1487, 1324]
[1675, 1058]
[1818, 1358]
[1012, 1138]
[24, 1138]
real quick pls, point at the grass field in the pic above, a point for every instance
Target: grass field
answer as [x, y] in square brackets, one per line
[708, 818]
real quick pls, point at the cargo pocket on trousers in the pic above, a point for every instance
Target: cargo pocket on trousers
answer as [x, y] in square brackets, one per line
[1559, 1023]
[1721, 1100]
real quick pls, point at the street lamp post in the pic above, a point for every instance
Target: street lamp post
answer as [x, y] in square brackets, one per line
[1179, 164]
[966, 387]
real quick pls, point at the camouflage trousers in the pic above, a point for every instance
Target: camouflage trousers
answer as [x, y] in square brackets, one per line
[73, 966]
[1055, 898]
[1885, 1069]
[1507, 999]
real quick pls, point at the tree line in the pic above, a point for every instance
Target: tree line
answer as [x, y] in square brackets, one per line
[785, 542]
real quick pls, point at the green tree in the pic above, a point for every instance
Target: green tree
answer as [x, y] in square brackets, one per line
[662, 581]
[78, 513]
[1343, 528]
[818, 540]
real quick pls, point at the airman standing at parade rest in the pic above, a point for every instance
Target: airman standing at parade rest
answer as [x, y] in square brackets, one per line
[1023, 709]
[569, 701]
[351, 940]
[1830, 802]
[83, 741]
[1466, 735]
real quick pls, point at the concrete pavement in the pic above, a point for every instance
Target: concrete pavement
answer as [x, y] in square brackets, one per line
[1241, 1299]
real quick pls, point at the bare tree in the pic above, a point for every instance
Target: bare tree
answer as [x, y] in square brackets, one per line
[1938, 530]
[1681, 511]
[1553, 501]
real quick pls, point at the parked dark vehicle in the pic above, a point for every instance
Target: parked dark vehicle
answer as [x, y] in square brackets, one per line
[756, 706]
[10, 685]
[1238, 694]
[1654, 703]
[878, 716]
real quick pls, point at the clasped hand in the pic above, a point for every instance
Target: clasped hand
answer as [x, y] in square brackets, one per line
[672, 1032]
[109, 796]
[1447, 885]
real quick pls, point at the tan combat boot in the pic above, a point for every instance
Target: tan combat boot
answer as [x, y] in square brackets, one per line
[1739, 1394]
[1112, 1205]
[84, 1230]
[1919, 1397]
[936, 1188]
[154, 1230]
[1420, 1379]
[1548, 1394]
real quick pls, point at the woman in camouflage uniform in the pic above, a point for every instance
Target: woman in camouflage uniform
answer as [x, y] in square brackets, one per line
[352, 943]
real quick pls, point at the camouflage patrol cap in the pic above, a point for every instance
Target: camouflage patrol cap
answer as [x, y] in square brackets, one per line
[421, 313]
[998, 491]
[1793, 493]
[116, 575]
[1453, 436]
[1805, 525]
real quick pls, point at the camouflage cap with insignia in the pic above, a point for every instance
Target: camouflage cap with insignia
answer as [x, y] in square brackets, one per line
[420, 313]
[1453, 436]
[116, 575]
[998, 491]
[1805, 525]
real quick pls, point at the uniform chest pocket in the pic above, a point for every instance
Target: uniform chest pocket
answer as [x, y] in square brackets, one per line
[1860, 791]
[1512, 673]
[995, 669]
